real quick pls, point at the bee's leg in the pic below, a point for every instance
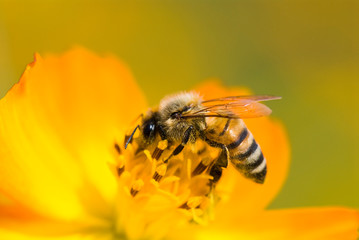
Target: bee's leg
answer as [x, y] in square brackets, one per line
[162, 145]
[185, 140]
[128, 138]
[162, 133]
[216, 173]
[222, 159]
[217, 167]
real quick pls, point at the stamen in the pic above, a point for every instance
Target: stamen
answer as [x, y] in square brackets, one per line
[201, 166]
[186, 182]
[120, 165]
[118, 149]
[193, 202]
[136, 187]
[184, 206]
[148, 155]
[189, 167]
[160, 172]
[161, 146]
[157, 153]
[171, 179]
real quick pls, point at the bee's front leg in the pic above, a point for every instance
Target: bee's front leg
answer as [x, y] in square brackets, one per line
[129, 138]
[180, 147]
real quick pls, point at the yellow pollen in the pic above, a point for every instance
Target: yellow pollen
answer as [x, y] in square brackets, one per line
[161, 169]
[138, 184]
[160, 172]
[162, 144]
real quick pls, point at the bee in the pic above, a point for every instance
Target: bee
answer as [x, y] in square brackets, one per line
[184, 118]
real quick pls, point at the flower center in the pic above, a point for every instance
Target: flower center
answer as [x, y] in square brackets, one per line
[157, 193]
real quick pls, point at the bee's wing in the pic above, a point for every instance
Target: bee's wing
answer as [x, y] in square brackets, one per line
[235, 107]
[241, 99]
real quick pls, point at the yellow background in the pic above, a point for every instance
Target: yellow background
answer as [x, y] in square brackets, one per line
[305, 51]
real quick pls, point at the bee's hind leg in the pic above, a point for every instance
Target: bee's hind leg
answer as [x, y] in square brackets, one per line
[218, 165]
[185, 140]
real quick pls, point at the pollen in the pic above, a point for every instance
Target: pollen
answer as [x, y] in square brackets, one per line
[162, 144]
[160, 172]
[155, 189]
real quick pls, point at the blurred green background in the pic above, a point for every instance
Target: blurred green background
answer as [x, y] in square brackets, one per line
[305, 51]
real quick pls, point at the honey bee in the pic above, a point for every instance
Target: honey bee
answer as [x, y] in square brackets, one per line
[185, 118]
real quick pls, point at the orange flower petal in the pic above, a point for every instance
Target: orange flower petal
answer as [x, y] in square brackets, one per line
[294, 224]
[246, 196]
[52, 229]
[57, 130]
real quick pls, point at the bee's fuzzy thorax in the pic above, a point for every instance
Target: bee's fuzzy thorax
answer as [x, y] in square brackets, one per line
[177, 101]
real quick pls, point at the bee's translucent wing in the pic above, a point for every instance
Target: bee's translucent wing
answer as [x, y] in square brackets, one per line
[234, 107]
[242, 99]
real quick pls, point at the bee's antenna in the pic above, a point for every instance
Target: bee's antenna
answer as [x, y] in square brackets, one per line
[131, 136]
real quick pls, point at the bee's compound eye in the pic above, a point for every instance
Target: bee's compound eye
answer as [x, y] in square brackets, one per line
[149, 129]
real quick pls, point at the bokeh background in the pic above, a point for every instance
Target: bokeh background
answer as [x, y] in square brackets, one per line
[305, 51]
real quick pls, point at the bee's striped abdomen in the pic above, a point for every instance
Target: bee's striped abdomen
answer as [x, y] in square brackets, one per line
[246, 155]
[244, 152]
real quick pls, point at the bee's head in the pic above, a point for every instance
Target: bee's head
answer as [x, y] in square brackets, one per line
[172, 110]
[149, 127]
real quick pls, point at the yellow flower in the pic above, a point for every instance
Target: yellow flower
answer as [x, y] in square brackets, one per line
[61, 176]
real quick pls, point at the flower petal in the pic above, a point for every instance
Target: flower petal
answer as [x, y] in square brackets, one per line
[294, 224]
[5, 234]
[245, 196]
[57, 129]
